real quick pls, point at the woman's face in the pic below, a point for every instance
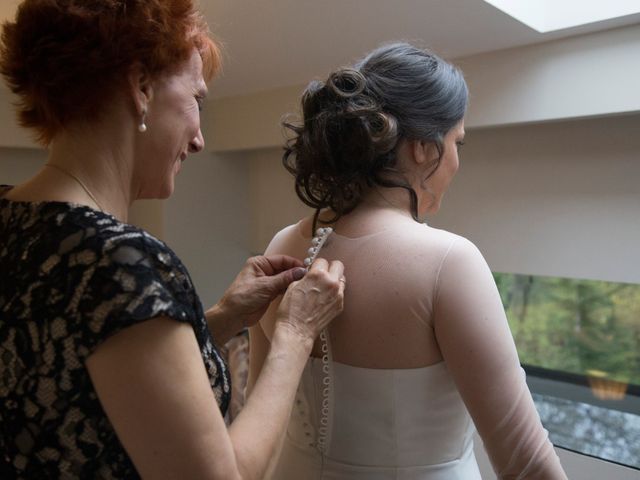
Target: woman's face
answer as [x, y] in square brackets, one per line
[173, 128]
[438, 183]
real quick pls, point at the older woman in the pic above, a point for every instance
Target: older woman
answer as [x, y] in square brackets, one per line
[108, 364]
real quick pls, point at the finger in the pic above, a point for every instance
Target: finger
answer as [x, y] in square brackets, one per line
[274, 264]
[277, 284]
[280, 263]
[336, 269]
[342, 285]
[341, 289]
[320, 264]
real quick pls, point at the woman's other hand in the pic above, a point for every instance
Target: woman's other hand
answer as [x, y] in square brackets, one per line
[261, 280]
[311, 303]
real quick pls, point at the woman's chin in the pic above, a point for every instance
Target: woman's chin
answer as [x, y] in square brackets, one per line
[161, 193]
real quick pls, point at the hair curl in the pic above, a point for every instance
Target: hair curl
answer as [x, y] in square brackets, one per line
[65, 58]
[351, 125]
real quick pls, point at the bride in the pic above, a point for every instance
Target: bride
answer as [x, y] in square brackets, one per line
[422, 355]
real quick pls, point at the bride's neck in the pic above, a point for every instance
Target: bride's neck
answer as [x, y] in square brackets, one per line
[393, 200]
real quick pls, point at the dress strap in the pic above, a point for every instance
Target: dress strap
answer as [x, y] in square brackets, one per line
[324, 430]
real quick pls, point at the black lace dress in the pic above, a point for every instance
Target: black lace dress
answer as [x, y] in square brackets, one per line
[70, 277]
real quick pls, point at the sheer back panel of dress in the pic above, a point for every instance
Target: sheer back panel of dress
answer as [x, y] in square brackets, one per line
[391, 276]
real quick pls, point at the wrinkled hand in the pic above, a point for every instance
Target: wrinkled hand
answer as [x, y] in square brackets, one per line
[310, 304]
[259, 282]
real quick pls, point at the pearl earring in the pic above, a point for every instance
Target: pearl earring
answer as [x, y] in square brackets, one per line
[143, 126]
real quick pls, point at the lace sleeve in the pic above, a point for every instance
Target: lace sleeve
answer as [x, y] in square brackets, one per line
[134, 279]
[475, 340]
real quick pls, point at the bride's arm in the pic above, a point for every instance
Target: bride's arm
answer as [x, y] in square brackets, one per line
[476, 343]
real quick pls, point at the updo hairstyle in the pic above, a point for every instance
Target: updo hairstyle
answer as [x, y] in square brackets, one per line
[65, 58]
[352, 124]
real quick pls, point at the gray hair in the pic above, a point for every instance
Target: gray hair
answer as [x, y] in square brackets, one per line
[353, 123]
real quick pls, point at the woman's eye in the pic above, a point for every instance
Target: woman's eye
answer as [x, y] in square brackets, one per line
[459, 144]
[200, 101]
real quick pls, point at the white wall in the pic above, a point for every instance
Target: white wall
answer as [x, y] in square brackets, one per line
[560, 199]
[11, 135]
[18, 164]
[587, 75]
[273, 204]
[590, 75]
[207, 221]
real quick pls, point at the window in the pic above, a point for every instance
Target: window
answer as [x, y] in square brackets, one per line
[579, 341]
[550, 15]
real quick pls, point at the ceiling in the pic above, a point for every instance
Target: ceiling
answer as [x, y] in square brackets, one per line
[277, 43]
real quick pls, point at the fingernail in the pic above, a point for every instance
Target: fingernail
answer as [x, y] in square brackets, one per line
[298, 273]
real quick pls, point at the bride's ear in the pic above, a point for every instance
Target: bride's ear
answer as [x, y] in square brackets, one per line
[422, 151]
[140, 87]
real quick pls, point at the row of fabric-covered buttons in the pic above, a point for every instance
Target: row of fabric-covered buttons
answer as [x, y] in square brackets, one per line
[316, 244]
[326, 389]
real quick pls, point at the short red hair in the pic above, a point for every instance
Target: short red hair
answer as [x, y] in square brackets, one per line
[65, 58]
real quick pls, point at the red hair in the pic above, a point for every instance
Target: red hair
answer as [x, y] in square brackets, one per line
[66, 58]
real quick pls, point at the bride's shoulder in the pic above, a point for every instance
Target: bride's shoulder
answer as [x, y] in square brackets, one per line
[433, 238]
[300, 229]
[290, 237]
[444, 243]
[288, 231]
[455, 247]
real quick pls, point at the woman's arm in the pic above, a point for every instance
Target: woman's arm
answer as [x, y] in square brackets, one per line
[258, 349]
[476, 343]
[152, 384]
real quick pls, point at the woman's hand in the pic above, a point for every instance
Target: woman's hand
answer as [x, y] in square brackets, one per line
[311, 303]
[261, 280]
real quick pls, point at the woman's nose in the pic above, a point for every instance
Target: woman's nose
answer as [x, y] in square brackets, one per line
[197, 144]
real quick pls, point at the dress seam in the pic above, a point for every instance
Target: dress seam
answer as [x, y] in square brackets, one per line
[436, 284]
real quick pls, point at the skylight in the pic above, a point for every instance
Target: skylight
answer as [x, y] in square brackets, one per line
[549, 15]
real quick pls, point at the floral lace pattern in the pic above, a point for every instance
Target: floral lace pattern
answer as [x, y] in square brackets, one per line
[70, 277]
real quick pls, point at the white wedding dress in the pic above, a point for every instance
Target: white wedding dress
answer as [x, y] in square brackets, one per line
[408, 424]
[423, 320]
